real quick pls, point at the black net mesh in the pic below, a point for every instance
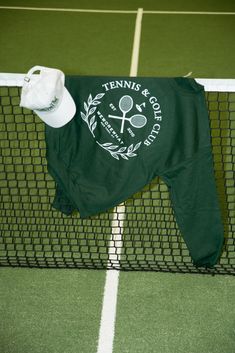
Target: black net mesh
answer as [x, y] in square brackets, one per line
[141, 234]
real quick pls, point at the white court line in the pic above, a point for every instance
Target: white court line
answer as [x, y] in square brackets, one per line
[108, 315]
[152, 12]
[58, 9]
[147, 12]
[136, 44]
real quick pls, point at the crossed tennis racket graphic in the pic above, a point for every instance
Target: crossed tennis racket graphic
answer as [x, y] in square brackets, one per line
[125, 105]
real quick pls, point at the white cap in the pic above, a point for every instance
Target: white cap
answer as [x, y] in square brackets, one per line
[47, 96]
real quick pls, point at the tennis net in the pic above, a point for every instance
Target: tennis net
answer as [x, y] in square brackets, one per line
[141, 234]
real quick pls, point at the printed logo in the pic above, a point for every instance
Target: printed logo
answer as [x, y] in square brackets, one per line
[52, 105]
[125, 105]
[123, 118]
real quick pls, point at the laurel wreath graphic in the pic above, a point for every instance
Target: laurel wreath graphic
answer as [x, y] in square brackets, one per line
[90, 108]
[124, 152]
[90, 119]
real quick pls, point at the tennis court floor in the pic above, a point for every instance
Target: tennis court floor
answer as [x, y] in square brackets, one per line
[62, 311]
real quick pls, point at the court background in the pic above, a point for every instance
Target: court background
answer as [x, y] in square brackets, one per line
[59, 310]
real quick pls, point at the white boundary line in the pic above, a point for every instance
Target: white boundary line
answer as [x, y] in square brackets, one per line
[152, 12]
[66, 10]
[147, 12]
[108, 316]
[136, 44]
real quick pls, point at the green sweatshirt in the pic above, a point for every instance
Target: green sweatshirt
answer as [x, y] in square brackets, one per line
[127, 131]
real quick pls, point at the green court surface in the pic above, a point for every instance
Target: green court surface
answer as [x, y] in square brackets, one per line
[79, 48]
[101, 43]
[59, 311]
[179, 44]
[50, 311]
[175, 313]
[176, 5]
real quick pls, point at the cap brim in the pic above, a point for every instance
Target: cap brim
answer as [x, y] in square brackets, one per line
[62, 115]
